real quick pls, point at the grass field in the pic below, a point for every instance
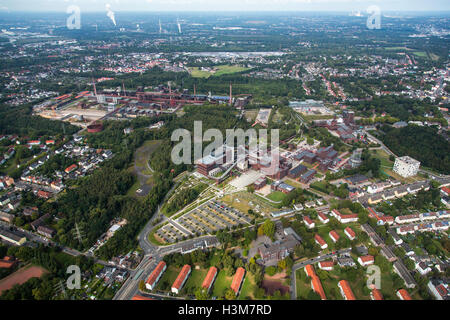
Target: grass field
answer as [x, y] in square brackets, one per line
[219, 71]
[421, 54]
[303, 285]
[168, 278]
[384, 158]
[244, 205]
[276, 196]
[331, 288]
[248, 288]
[221, 284]
[250, 115]
[397, 48]
[195, 279]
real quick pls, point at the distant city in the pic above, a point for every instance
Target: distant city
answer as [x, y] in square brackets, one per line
[353, 203]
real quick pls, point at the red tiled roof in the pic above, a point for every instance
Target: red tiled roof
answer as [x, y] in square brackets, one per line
[44, 194]
[347, 290]
[237, 280]
[404, 294]
[376, 294]
[319, 240]
[345, 216]
[326, 264]
[349, 216]
[308, 220]
[181, 276]
[159, 268]
[322, 216]
[317, 286]
[209, 277]
[387, 218]
[71, 168]
[309, 270]
[350, 232]
[446, 190]
[315, 281]
[139, 297]
[367, 258]
[334, 235]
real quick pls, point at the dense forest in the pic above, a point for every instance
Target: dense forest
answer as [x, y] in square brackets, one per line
[421, 143]
[20, 121]
[398, 107]
[95, 200]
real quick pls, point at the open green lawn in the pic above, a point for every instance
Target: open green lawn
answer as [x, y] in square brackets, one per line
[221, 284]
[384, 158]
[168, 278]
[397, 48]
[421, 54]
[221, 70]
[250, 115]
[248, 288]
[197, 73]
[215, 260]
[330, 287]
[276, 196]
[230, 69]
[303, 284]
[195, 280]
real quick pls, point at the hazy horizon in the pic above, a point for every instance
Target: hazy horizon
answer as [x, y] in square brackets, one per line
[225, 5]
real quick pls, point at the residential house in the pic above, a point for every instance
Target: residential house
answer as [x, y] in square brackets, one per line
[181, 279]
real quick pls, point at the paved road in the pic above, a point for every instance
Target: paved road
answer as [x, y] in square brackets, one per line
[131, 287]
[311, 261]
[144, 243]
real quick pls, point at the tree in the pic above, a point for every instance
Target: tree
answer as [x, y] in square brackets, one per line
[282, 264]
[269, 228]
[230, 295]
[373, 251]
[271, 271]
[312, 295]
[409, 264]
[299, 250]
[201, 294]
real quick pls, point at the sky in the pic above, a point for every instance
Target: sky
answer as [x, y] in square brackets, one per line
[224, 5]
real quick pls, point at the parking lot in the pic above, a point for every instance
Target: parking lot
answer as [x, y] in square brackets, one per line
[207, 219]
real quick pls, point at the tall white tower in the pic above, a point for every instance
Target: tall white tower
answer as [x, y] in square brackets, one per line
[179, 26]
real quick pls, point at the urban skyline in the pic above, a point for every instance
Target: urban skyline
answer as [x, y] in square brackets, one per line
[228, 6]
